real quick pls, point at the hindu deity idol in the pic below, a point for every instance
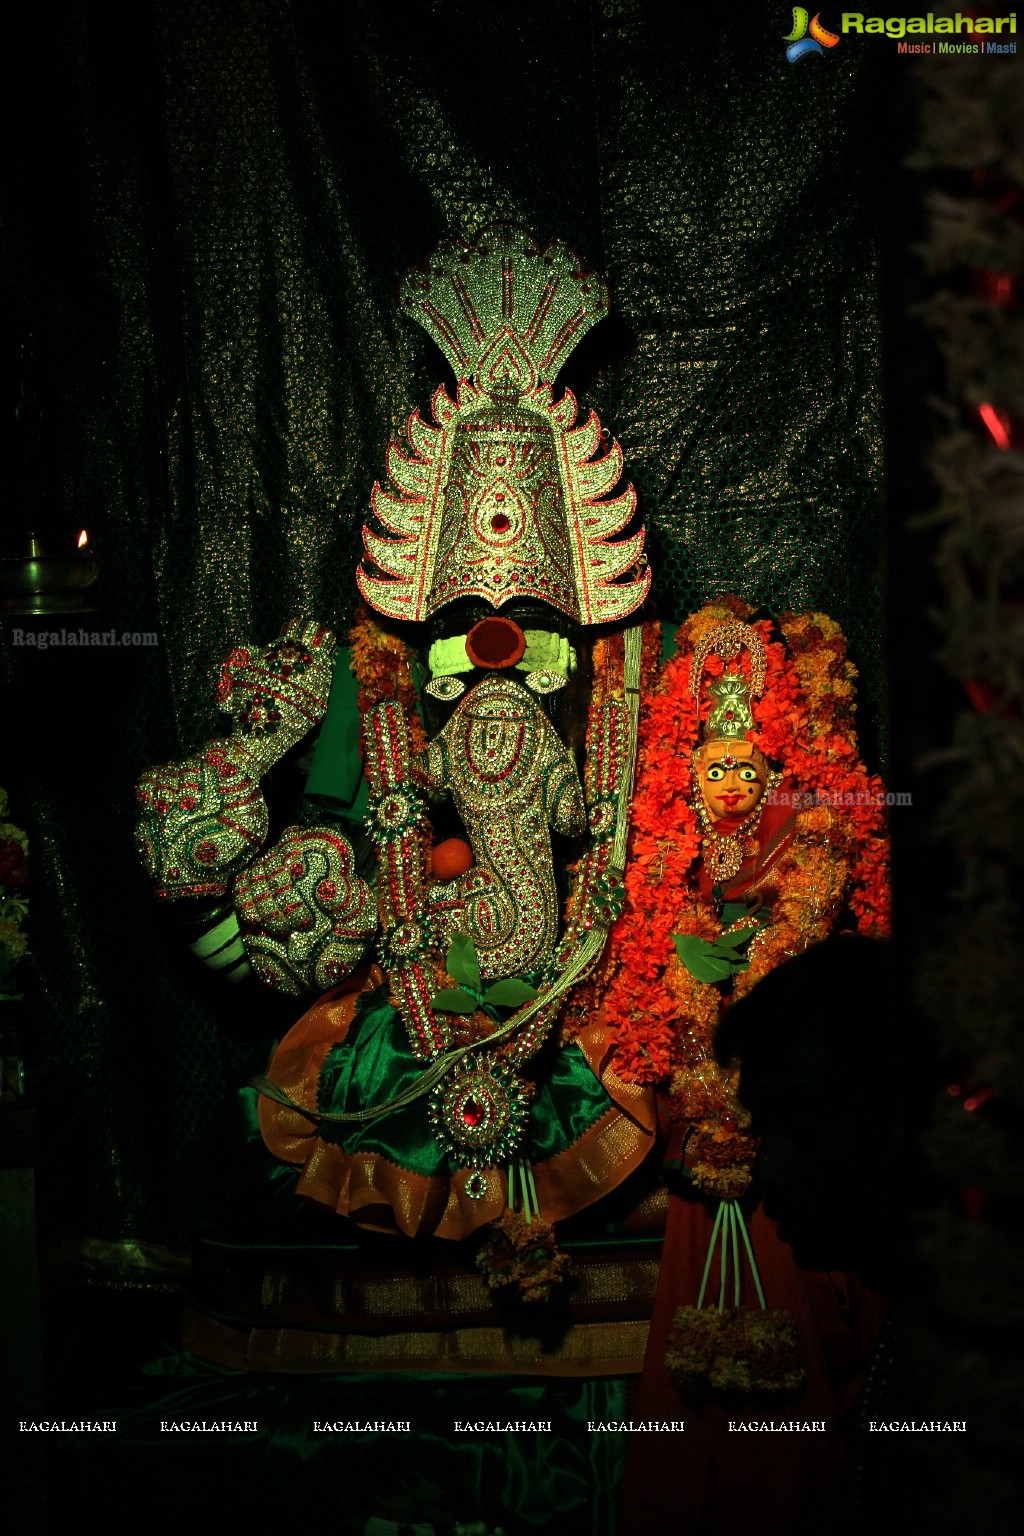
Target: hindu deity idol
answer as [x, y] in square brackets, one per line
[552, 858]
[475, 883]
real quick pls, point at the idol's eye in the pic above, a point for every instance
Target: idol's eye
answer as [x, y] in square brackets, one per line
[749, 775]
[545, 682]
[716, 773]
[445, 688]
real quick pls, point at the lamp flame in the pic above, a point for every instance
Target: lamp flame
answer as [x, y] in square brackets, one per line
[83, 540]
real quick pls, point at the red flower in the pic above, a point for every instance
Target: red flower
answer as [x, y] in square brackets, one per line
[13, 864]
[663, 1018]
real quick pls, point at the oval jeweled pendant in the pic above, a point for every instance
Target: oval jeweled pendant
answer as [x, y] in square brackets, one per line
[478, 1113]
[722, 857]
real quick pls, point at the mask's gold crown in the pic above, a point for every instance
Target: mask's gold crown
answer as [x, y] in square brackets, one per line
[503, 497]
[731, 716]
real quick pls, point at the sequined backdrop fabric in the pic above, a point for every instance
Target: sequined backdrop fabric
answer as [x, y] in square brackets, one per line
[215, 207]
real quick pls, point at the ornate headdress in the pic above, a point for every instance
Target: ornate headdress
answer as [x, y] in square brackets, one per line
[503, 497]
[730, 717]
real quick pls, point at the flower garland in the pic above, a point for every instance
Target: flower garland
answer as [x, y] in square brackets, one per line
[382, 666]
[664, 1018]
[736, 1351]
[522, 1251]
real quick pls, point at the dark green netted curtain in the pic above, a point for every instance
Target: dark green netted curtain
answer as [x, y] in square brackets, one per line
[210, 209]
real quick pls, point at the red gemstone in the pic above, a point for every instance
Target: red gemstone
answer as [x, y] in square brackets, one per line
[472, 1113]
[499, 522]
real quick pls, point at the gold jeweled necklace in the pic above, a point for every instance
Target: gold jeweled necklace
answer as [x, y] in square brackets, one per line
[723, 852]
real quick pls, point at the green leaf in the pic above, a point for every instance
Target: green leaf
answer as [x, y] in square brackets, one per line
[509, 993]
[714, 960]
[709, 968]
[699, 958]
[689, 947]
[733, 941]
[453, 1000]
[687, 944]
[734, 910]
[462, 962]
[741, 935]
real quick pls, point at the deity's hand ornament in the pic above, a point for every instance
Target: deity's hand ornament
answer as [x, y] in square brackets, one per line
[277, 693]
[202, 819]
[305, 914]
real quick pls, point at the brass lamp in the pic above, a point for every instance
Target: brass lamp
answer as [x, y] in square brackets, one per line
[38, 582]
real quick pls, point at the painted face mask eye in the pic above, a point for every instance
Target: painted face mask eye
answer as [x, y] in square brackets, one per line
[749, 775]
[544, 681]
[445, 688]
[715, 774]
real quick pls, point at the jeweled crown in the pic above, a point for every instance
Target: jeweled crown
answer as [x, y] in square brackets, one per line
[730, 716]
[503, 497]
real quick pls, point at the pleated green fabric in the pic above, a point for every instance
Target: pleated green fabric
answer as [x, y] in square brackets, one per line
[375, 1063]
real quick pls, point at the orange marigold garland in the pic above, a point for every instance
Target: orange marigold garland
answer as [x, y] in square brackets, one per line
[607, 659]
[664, 1018]
[382, 665]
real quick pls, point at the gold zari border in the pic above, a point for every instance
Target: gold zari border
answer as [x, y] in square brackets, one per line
[365, 1303]
[589, 1349]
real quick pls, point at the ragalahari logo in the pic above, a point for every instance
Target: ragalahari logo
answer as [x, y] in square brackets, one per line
[808, 36]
